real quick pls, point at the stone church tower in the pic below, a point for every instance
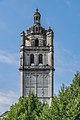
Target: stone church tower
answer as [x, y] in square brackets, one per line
[37, 61]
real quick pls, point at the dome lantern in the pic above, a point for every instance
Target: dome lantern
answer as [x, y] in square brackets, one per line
[37, 17]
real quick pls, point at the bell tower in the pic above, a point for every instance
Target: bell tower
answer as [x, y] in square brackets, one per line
[37, 61]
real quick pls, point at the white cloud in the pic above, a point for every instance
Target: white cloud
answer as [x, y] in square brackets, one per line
[10, 97]
[6, 100]
[68, 2]
[66, 61]
[66, 65]
[9, 58]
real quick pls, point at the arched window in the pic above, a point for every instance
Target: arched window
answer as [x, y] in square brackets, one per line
[36, 43]
[40, 59]
[31, 59]
[36, 29]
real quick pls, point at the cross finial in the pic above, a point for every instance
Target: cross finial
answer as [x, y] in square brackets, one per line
[49, 27]
[37, 10]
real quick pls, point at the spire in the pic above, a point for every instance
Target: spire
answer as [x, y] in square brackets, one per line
[50, 30]
[37, 17]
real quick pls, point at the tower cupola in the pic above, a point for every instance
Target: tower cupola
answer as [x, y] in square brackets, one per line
[37, 17]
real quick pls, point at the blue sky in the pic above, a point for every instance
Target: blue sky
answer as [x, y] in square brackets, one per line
[17, 15]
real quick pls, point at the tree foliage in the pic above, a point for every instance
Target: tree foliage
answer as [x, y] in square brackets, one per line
[65, 106]
[26, 109]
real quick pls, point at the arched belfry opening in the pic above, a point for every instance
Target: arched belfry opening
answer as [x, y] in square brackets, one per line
[31, 59]
[36, 43]
[40, 59]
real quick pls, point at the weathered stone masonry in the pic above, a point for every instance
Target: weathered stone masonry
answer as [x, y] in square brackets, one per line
[37, 61]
